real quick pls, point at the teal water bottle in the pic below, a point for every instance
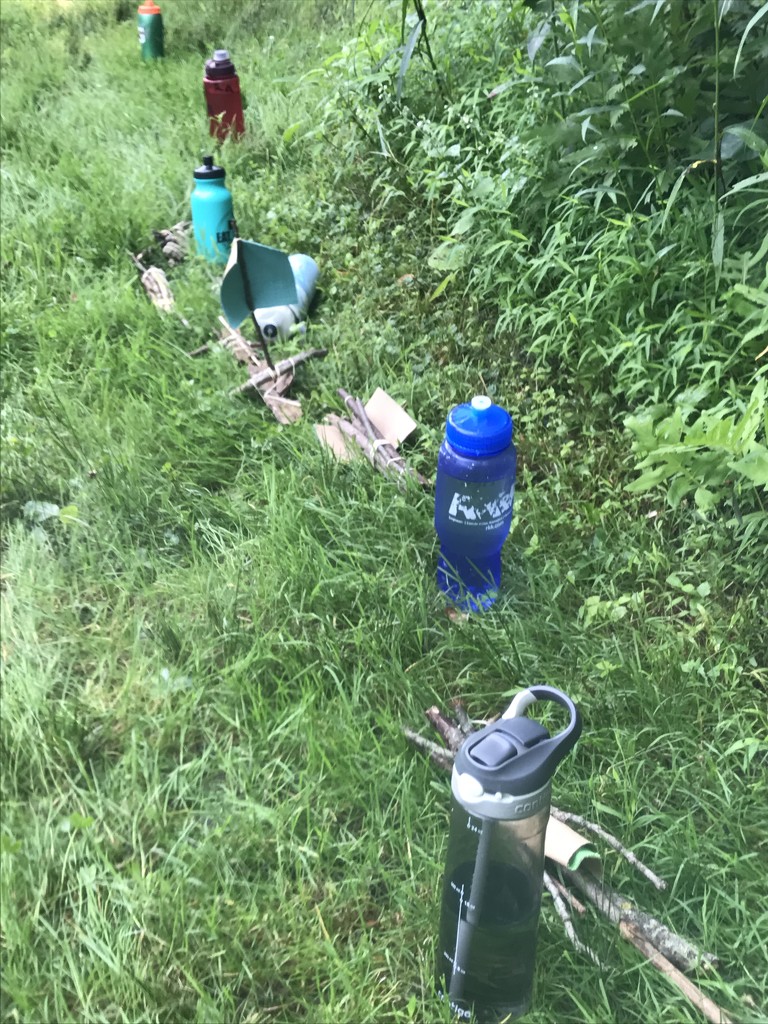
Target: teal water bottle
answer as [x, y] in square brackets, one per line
[213, 220]
[150, 30]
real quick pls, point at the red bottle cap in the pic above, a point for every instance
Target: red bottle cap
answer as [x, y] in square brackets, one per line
[149, 7]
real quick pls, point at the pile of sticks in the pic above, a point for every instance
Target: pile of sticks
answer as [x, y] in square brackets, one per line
[379, 452]
[669, 953]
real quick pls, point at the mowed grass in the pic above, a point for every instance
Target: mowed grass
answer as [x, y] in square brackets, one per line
[209, 811]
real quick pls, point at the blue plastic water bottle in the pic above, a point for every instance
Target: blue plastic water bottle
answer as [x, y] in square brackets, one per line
[213, 220]
[474, 494]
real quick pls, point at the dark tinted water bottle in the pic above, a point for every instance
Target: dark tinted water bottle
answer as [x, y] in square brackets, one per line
[501, 786]
[474, 496]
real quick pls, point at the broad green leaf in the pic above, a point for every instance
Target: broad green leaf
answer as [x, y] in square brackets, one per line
[649, 479]
[755, 179]
[536, 39]
[750, 139]
[705, 499]
[464, 223]
[753, 466]
[68, 515]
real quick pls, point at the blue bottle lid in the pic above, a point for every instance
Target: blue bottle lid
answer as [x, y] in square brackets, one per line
[479, 428]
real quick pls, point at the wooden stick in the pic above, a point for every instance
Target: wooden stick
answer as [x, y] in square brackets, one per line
[714, 1013]
[569, 898]
[438, 754]
[446, 728]
[267, 374]
[564, 915]
[374, 453]
[619, 909]
[631, 858]
[462, 718]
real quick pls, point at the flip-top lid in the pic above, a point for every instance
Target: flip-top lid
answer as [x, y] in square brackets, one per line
[517, 755]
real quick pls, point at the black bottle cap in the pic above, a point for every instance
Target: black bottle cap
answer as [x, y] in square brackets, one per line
[517, 755]
[209, 170]
[220, 65]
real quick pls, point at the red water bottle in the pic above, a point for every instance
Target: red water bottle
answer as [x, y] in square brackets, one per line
[222, 94]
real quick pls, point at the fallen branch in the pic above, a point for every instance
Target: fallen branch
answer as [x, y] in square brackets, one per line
[620, 910]
[702, 1002]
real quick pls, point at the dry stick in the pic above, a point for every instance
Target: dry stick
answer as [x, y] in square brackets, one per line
[375, 455]
[631, 858]
[619, 910]
[565, 916]
[568, 896]
[710, 1009]
[438, 754]
[265, 375]
[463, 720]
[446, 728]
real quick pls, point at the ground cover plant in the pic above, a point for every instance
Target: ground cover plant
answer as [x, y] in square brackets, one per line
[212, 633]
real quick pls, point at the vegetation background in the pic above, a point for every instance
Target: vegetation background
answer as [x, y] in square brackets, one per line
[212, 634]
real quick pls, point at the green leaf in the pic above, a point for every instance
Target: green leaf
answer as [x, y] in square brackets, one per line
[68, 516]
[750, 139]
[750, 25]
[705, 499]
[649, 479]
[464, 223]
[8, 845]
[442, 286]
[755, 179]
[753, 466]
[410, 46]
[536, 38]
[291, 131]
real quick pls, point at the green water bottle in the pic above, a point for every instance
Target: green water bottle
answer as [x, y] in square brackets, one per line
[150, 30]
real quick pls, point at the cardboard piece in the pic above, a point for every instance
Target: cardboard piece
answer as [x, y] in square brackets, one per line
[568, 848]
[389, 418]
[330, 435]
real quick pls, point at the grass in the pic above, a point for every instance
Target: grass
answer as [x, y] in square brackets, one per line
[209, 812]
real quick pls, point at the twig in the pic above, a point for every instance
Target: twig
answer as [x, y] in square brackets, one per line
[564, 915]
[619, 910]
[199, 351]
[376, 454]
[446, 728]
[714, 1013]
[568, 896]
[386, 454]
[284, 366]
[439, 755]
[462, 718]
[576, 819]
